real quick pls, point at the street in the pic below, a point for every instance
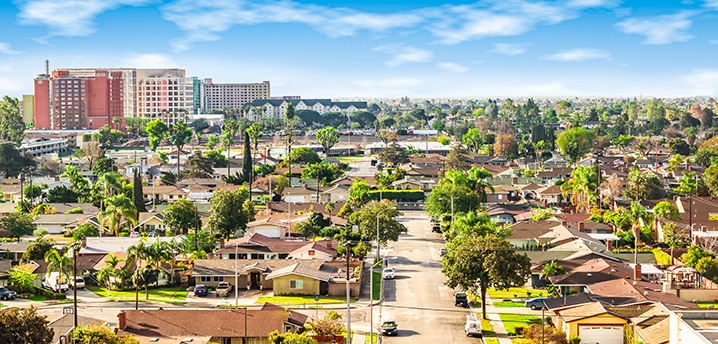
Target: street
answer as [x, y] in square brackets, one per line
[417, 299]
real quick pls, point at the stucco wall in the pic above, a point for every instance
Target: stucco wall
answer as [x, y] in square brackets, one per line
[603, 319]
[340, 289]
[281, 285]
[701, 295]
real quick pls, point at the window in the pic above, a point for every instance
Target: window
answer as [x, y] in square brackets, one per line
[205, 278]
[296, 284]
[218, 278]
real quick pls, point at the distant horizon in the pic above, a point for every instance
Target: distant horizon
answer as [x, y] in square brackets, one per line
[380, 49]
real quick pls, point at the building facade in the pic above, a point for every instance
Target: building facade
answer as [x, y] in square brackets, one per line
[234, 96]
[275, 107]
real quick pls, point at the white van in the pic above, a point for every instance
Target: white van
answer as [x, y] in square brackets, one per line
[55, 282]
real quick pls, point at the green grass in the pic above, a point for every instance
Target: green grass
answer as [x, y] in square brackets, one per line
[491, 340]
[168, 294]
[2, 306]
[376, 286]
[37, 298]
[707, 304]
[512, 321]
[349, 159]
[486, 328]
[302, 300]
[506, 304]
[513, 293]
[374, 338]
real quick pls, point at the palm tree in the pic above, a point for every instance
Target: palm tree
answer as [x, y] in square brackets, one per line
[137, 255]
[180, 135]
[582, 187]
[118, 207]
[111, 183]
[109, 271]
[58, 263]
[228, 131]
[158, 253]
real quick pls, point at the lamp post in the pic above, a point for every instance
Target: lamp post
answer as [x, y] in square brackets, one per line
[371, 303]
[316, 308]
[75, 247]
[349, 316]
[236, 282]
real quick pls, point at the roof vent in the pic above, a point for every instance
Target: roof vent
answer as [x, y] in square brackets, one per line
[154, 339]
[645, 293]
[613, 269]
[589, 274]
[188, 340]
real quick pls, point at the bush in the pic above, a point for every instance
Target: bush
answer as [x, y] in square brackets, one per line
[398, 195]
[551, 335]
[50, 294]
[661, 257]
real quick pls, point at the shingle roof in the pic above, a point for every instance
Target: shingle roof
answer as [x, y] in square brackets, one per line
[309, 268]
[658, 333]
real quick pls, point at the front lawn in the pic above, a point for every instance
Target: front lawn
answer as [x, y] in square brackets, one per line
[166, 294]
[374, 338]
[305, 301]
[707, 305]
[486, 328]
[376, 285]
[521, 321]
[514, 293]
[38, 298]
[2, 306]
[506, 304]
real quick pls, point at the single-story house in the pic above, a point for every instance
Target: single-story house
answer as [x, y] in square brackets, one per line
[593, 323]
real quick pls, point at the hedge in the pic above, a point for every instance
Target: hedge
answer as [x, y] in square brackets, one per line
[662, 257]
[398, 195]
[50, 294]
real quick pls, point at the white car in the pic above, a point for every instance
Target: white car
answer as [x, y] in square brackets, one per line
[388, 273]
[79, 282]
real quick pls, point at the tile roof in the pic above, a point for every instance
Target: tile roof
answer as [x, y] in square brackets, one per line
[640, 290]
[583, 311]
[226, 267]
[309, 268]
[594, 271]
[658, 333]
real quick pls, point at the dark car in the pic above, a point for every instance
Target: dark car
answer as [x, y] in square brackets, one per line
[389, 328]
[535, 303]
[7, 294]
[200, 290]
[461, 299]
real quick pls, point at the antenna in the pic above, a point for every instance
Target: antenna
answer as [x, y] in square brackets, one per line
[47, 67]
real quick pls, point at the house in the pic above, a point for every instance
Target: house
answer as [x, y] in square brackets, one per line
[86, 208]
[302, 194]
[270, 226]
[408, 183]
[13, 250]
[693, 326]
[550, 177]
[157, 194]
[58, 223]
[549, 195]
[593, 323]
[63, 326]
[208, 325]
[337, 193]
[502, 194]
[10, 189]
[258, 246]
[149, 222]
[105, 245]
[315, 250]
[537, 233]
[302, 278]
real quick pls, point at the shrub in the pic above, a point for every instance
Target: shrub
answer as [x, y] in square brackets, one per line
[551, 335]
[50, 294]
[661, 257]
[398, 195]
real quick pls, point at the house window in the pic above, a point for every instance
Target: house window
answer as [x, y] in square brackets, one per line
[310, 252]
[232, 256]
[218, 278]
[296, 284]
[498, 196]
[242, 256]
[205, 279]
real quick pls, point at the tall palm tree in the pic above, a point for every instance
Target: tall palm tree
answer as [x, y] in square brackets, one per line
[117, 208]
[138, 255]
[228, 130]
[179, 136]
[109, 271]
[581, 187]
[58, 262]
[111, 183]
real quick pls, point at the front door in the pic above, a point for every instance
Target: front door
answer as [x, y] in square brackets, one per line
[254, 280]
[323, 288]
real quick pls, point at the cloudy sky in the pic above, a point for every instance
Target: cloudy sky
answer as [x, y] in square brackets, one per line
[342, 48]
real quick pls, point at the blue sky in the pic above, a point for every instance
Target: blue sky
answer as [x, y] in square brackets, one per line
[341, 49]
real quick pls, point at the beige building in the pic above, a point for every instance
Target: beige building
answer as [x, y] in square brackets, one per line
[232, 95]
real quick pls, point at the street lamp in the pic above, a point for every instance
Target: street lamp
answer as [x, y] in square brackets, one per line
[371, 302]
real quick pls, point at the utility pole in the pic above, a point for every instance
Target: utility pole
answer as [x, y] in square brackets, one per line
[349, 317]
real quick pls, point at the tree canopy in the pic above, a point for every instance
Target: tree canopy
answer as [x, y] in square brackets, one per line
[24, 326]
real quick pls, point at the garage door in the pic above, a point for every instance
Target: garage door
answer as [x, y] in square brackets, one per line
[601, 334]
[293, 199]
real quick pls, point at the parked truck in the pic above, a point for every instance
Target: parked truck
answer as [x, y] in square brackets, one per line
[55, 282]
[224, 289]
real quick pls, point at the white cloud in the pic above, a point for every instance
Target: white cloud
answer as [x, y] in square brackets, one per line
[593, 3]
[6, 49]
[713, 41]
[510, 49]
[452, 67]
[148, 60]
[701, 81]
[69, 17]
[578, 55]
[659, 30]
[401, 54]
[712, 4]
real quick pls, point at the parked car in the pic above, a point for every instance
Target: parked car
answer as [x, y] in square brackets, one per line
[389, 328]
[7, 294]
[55, 282]
[461, 299]
[535, 303]
[224, 289]
[79, 282]
[472, 328]
[200, 290]
[388, 273]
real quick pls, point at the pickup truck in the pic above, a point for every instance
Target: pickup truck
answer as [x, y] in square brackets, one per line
[7, 294]
[224, 289]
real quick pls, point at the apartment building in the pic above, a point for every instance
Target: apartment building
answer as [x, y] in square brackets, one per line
[165, 94]
[232, 95]
[276, 107]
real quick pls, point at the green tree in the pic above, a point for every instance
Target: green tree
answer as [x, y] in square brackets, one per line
[106, 273]
[38, 248]
[303, 155]
[138, 198]
[358, 192]
[58, 262]
[473, 140]
[85, 230]
[710, 179]
[582, 187]
[12, 162]
[157, 130]
[289, 124]
[229, 212]
[327, 137]
[181, 216]
[24, 326]
[687, 184]
[643, 185]
[324, 171]
[179, 136]
[78, 183]
[61, 194]
[229, 129]
[17, 225]
[104, 165]
[484, 262]
[394, 155]
[96, 334]
[666, 210]
[12, 126]
[575, 143]
[458, 158]
[366, 219]
[117, 208]
[290, 338]
[551, 269]
[706, 266]
[693, 255]
[22, 279]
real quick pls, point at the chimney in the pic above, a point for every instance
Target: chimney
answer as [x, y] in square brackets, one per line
[84, 242]
[637, 272]
[122, 316]
[563, 223]
[515, 180]
[581, 226]
[609, 245]
[305, 186]
[221, 242]
[269, 206]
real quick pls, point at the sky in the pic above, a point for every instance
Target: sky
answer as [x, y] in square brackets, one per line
[379, 49]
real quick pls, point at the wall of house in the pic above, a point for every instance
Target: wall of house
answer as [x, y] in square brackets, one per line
[700, 295]
[310, 286]
[242, 281]
[340, 289]
[681, 332]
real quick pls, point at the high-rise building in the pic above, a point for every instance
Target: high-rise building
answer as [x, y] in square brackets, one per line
[234, 96]
[164, 93]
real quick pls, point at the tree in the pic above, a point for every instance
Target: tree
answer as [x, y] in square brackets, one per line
[200, 166]
[138, 198]
[290, 338]
[327, 137]
[93, 152]
[582, 187]
[358, 192]
[61, 194]
[117, 208]
[254, 132]
[643, 185]
[386, 136]
[85, 230]
[104, 165]
[483, 262]
[552, 269]
[575, 143]
[12, 126]
[247, 162]
[38, 248]
[548, 335]
[366, 219]
[458, 158]
[22, 279]
[17, 225]
[303, 155]
[60, 263]
[710, 178]
[289, 124]
[666, 210]
[12, 162]
[24, 326]
[394, 155]
[179, 136]
[324, 172]
[328, 325]
[473, 140]
[181, 216]
[157, 130]
[694, 254]
[97, 333]
[505, 145]
[229, 128]
[229, 213]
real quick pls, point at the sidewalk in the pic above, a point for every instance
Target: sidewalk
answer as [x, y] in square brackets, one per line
[496, 322]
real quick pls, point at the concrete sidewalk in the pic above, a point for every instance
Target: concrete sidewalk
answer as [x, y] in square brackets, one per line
[496, 322]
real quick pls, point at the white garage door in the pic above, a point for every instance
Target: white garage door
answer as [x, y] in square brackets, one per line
[601, 334]
[293, 199]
